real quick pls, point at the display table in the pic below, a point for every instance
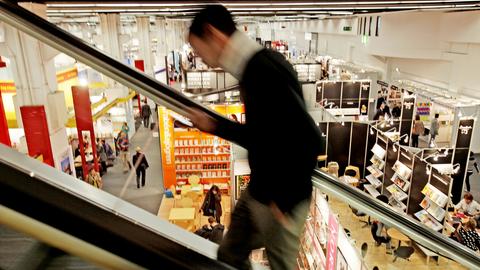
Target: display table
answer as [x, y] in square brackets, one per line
[397, 235]
[181, 214]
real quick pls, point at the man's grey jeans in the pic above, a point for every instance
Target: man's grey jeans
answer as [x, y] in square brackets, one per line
[253, 226]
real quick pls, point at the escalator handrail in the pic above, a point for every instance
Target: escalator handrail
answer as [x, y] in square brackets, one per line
[415, 230]
[59, 39]
[167, 96]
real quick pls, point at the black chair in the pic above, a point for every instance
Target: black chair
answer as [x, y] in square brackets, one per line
[360, 215]
[403, 252]
[364, 249]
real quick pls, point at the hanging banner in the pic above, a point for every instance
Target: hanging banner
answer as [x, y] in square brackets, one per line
[407, 118]
[84, 121]
[4, 135]
[332, 242]
[166, 141]
[36, 133]
[140, 65]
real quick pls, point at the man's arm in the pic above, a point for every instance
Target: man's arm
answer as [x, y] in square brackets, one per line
[224, 128]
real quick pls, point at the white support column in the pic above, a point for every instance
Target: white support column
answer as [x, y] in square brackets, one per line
[35, 80]
[145, 41]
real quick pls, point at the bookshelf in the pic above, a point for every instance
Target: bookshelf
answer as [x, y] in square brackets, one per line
[203, 155]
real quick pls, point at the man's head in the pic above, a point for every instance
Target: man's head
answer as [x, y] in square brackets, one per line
[210, 31]
[468, 198]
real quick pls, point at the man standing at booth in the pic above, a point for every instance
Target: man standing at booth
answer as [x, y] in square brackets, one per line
[282, 149]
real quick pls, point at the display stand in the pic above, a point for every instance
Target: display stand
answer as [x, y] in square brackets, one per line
[343, 97]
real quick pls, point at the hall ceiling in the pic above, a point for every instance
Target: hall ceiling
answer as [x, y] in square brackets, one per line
[308, 9]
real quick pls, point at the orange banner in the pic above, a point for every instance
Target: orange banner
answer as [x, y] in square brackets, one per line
[166, 141]
[67, 75]
[7, 87]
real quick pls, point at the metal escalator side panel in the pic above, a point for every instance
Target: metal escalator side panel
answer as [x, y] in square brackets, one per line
[77, 208]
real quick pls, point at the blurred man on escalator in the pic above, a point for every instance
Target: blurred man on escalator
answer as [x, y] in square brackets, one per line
[282, 149]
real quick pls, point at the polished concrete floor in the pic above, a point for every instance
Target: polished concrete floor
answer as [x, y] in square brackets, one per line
[123, 185]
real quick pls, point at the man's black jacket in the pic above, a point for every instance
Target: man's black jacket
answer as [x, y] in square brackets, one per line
[282, 139]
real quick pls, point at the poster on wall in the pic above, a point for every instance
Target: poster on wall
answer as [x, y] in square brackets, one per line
[241, 184]
[65, 164]
[423, 109]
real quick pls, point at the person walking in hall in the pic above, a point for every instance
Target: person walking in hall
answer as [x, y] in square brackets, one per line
[125, 129]
[418, 129]
[269, 204]
[123, 145]
[146, 113]
[212, 203]
[434, 126]
[102, 156]
[141, 165]
[472, 165]
[94, 178]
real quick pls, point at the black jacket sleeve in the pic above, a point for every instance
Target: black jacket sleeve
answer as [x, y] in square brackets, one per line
[232, 131]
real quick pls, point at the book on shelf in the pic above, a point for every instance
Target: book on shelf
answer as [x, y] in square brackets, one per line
[374, 171]
[378, 151]
[428, 220]
[397, 192]
[377, 162]
[397, 204]
[435, 195]
[433, 209]
[372, 190]
[402, 170]
[374, 181]
[401, 183]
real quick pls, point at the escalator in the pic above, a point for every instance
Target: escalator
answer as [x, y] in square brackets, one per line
[65, 214]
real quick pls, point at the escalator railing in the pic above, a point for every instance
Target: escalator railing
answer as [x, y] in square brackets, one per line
[110, 223]
[76, 208]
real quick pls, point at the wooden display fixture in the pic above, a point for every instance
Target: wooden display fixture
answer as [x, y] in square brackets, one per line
[201, 154]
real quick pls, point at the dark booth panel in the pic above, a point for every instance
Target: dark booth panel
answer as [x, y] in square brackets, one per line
[350, 103]
[372, 138]
[464, 133]
[461, 157]
[406, 157]
[441, 182]
[351, 90]
[339, 143]
[418, 181]
[319, 92]
[407, 117]
[332, 90]
[365, 92]
[392, 157]
[359, 140]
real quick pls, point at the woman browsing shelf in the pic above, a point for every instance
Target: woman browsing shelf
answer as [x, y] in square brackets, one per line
[212, 204]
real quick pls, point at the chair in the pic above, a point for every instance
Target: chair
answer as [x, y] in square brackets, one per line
[333, 168]
[360, 215]
[364, 249]
[352, 171]
[186, 202]
[403, 252]
[193, 180]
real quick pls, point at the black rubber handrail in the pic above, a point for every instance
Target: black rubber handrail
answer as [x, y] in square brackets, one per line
[167, 96]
